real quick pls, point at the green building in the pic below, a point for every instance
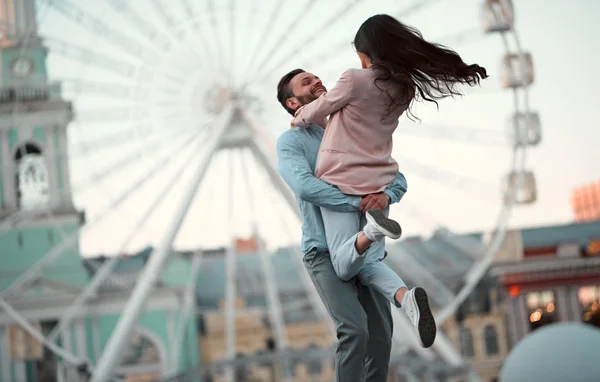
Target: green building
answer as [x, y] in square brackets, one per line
[37, 218]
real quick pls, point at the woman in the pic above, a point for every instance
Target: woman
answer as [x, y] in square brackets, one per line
[398, 68]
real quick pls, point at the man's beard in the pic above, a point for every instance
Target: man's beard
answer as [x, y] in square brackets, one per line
[306, 99]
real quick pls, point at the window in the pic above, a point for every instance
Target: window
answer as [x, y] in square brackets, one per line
[491, 340]
[31, 177]
[541, 307]
[466, 342]
[589, 298]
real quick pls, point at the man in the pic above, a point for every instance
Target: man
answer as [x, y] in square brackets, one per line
[362, 315]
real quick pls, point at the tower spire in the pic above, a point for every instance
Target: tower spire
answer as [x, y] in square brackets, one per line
[18, 20]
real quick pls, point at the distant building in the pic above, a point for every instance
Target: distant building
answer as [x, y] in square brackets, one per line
[540, 275]
[585, 201]
[551, 274]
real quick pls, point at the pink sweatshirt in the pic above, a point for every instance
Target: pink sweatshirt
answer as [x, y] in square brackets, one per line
[356, 151]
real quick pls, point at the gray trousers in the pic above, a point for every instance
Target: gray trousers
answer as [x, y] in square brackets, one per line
[363, 322]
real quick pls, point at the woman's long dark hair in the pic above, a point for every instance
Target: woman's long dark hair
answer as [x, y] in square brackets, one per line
[421, 70]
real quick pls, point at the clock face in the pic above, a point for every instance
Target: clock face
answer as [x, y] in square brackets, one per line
[22, 67]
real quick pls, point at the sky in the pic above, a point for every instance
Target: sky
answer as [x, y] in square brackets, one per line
[158, 98]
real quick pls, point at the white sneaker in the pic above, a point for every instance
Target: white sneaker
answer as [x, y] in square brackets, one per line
[379, 226]
[416, 307]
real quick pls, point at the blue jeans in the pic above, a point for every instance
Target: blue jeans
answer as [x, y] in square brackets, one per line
[341, 230]
[363, 322]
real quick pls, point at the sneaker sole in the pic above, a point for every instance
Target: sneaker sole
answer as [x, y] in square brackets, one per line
[426, 325]
[388, 227]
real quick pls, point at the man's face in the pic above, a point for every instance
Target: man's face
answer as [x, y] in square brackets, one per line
[306, 88]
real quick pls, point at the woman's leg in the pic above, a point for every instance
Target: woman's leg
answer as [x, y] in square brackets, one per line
[414, 303]
[380, 277]
[342, 230]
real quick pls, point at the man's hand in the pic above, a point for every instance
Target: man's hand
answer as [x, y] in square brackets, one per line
[378, 201]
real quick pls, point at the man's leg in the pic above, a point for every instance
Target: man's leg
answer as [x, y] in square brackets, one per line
[380, 325]
[342, 303]
[341, 230]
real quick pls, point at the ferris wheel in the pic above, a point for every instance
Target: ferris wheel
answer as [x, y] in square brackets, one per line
[172, 140]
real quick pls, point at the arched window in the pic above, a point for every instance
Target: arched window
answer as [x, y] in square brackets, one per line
[31, 177]
[491, 340]
[141, 351]
[466, 342]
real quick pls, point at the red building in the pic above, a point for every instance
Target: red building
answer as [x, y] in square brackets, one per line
[585, 201]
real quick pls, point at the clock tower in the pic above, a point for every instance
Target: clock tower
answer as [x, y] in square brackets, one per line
[35, 197]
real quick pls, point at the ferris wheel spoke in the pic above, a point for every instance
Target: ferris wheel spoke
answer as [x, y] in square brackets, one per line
[120, 137]
[457, 134]
[188, 9]
[335, 49]
[68, 357]
[259, 46]
[220, 60]
[58, 250]
[109, 114]
[253, 44]
[157, 261]
[167, 19]
[416, 6]
[465, 244]
[283, 37]
[208, 59]
[449, 178]
[275, 310]
[175, 33]
[88, 57]
[334, 20]
[104, 272]
[463, 37]
[188, 308]
[232, 49]
[106, 89]
[91, 23]
[231, 269]
[120, 113]
[147, 30]
[402, 258]
[317, 304]
[280, 192]
[123, 164]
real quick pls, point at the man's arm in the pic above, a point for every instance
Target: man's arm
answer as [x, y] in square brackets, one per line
[295, 170]
[328, 103]
[397, 188]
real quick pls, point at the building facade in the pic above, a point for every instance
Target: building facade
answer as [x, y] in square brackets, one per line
[585, 201]
[550, 274]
